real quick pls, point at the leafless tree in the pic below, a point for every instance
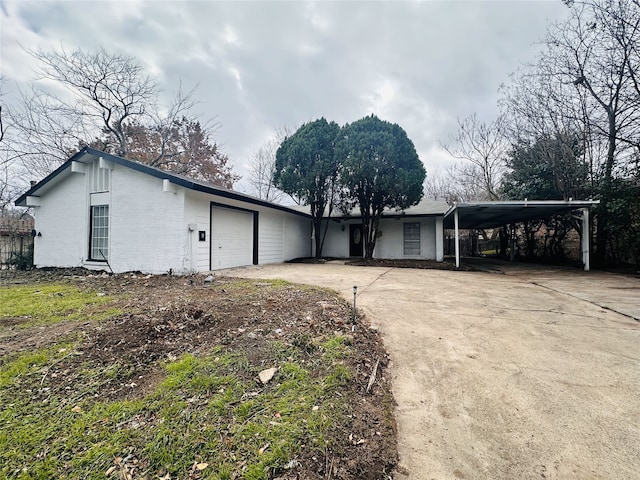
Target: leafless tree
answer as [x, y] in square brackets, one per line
[44, 135]
[4, 154]
[2, 127]
[458, 183]
[589, 66]
[7, 187]
[538, 105]
[108, 90]
[103, 99]
[597, 53]
[483, 146]
[262, 167]
[435, 185]
[164, 125]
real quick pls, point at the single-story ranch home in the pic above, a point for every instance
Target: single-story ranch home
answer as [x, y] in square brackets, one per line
[104, 212]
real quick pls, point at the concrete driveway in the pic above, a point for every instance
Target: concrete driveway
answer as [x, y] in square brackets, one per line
[525, 375]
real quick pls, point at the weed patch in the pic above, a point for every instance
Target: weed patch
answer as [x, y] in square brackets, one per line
[172, 389]
[201, 412]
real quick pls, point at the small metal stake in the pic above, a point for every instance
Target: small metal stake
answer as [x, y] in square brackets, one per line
[355, 292]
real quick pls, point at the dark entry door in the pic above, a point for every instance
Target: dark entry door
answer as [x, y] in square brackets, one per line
[355, 240]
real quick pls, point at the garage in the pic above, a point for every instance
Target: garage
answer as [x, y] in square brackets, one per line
[233, 232]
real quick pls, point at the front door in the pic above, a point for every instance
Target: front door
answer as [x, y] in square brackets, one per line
[355, 240]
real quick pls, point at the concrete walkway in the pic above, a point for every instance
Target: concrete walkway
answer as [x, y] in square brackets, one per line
[530, 374]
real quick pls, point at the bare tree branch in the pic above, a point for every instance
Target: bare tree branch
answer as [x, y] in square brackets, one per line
[262, 167]
[484, 146]
[108, 89]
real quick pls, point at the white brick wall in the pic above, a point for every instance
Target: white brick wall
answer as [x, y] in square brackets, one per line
[62, 219]
[148, 229]
[197, 210]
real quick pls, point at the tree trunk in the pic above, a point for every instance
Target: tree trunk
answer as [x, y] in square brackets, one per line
[316, 214]
[370, 222]
[602, 211]
[317, 226]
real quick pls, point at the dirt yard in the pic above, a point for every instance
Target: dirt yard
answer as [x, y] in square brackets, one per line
[165, 317]
[529, 374]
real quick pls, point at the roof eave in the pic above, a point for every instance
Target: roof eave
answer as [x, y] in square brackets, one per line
[140, 167]
[21, 201]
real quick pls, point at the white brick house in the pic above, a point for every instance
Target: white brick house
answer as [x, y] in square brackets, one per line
[104, 212]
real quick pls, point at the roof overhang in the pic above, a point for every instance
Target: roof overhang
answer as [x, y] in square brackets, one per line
[87, 154]
[54, 178]
[495, 214]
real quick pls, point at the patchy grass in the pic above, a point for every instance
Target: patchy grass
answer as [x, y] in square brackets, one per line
[207, 409]
[44, 304]
[28, 363]
[171, 389]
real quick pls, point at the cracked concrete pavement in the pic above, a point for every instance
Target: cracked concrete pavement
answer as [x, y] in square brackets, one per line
[530, 374]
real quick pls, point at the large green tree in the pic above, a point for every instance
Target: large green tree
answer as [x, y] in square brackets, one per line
[548, 168]
[307, 169]
[380, 169]
[551, 167]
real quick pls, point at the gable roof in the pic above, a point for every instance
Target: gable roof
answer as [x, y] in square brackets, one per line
[88, 154]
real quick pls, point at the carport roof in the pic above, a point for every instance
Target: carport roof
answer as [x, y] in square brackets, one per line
[494, 214]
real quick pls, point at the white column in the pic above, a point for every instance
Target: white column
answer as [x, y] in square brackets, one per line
[457, 236]
[439, 239]
[586, 234]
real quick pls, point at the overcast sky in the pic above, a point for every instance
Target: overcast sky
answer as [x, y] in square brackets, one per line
[265, 65]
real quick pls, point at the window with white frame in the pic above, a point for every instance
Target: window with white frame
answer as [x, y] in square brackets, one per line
[99, 241]
[411, 238]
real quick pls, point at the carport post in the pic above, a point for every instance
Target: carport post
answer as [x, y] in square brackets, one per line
[457, 235]
[586, 235]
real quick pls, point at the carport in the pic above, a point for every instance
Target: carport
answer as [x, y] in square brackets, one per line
[480, 215]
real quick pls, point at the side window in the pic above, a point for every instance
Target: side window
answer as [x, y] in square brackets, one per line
[411, 238]
[99, 233]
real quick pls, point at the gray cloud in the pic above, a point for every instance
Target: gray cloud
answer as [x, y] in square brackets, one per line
[262, 65]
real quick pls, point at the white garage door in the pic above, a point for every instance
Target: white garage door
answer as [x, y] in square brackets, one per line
[231, 238]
